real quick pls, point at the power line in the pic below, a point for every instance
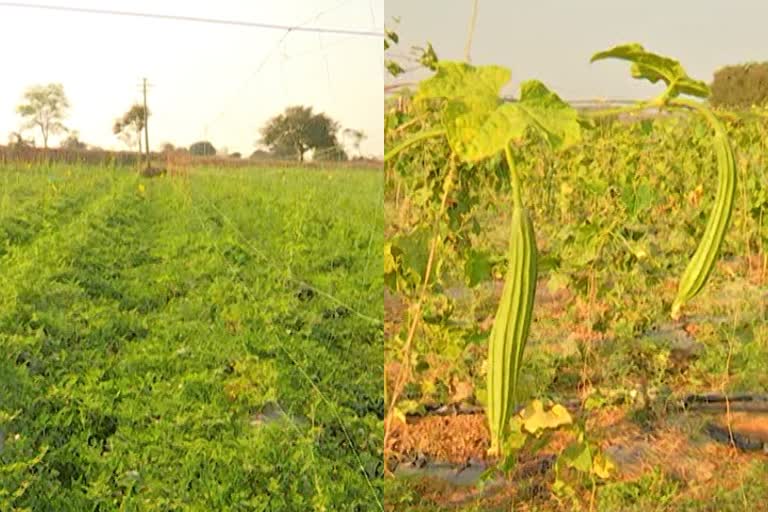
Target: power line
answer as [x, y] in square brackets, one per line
[173, 17]
[266, 58]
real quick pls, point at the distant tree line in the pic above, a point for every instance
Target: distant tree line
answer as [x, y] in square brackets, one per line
[740, 86]
[294, 134]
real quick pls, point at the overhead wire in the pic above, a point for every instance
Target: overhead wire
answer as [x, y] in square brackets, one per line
[194, 19]
[268, 56]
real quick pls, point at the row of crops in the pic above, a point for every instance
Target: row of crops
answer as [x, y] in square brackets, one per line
[183, 344]
[624, 321]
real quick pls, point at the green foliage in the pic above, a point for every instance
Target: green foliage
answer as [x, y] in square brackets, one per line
[425, 57]
[157, 353]
[73, 142]
[130, 126]
[45, 107]
[333, 154]
[653, 67]
[391, 38]
[299, 130]
[357, 136]
[428, 57]
[653, 491]
[741, 86]
[618, 214]
[202, 148]
[479, 124]
[581, 459]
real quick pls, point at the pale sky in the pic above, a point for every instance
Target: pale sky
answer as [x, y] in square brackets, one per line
[553, 40]
[207, 80]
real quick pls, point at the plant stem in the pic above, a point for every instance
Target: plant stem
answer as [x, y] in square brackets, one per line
[448, 185]
[699, 108]
[517, 196]
[407, 124]
[471, 32]
[413, 140]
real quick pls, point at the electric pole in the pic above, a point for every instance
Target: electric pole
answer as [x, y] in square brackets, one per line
[146, 121]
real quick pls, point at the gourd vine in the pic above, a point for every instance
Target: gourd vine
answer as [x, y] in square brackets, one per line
[461, 105]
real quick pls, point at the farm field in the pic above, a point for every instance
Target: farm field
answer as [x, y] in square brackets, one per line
[617, 216]
[201, 343]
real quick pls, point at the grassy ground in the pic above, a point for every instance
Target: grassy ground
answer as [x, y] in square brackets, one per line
[184, 344]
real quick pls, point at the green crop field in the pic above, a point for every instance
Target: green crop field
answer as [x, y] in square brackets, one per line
[205, 343]
[625, 387]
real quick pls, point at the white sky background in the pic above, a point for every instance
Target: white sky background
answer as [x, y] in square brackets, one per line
[553, 40]
[206, 79]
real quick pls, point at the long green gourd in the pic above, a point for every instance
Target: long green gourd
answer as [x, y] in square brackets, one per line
[653, 67]
[513, 320]
[700, 267]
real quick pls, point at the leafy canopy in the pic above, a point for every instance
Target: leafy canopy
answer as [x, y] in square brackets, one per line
[202, 148]
[298, 130]
[45, 107]
[741, 86]
[130, 126]
[73, 142]
[480, 124]
[134, 120]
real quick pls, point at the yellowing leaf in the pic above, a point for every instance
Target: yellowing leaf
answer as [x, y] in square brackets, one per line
[535, 418]
[602, 466]
[390, 263]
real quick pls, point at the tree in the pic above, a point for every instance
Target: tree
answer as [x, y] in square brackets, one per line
[73, 142]
[740, 86]
[260, 154]
[17, 140]
[297, 131]
[357, 136]
[130, 126]
[334, 154]
[168, 148]
[202, 148]
[44, 107]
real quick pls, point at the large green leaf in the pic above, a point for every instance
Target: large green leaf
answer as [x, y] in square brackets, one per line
[578, 456]
[654, 67]
[476, 86]
[475, 134]
[479, 124]
[478, 134]
[478, 267]
[555, 119]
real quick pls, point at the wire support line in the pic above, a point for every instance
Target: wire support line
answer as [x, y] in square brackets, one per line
[300, 282]
[332, 406]
[195, 19]
[269, 55]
